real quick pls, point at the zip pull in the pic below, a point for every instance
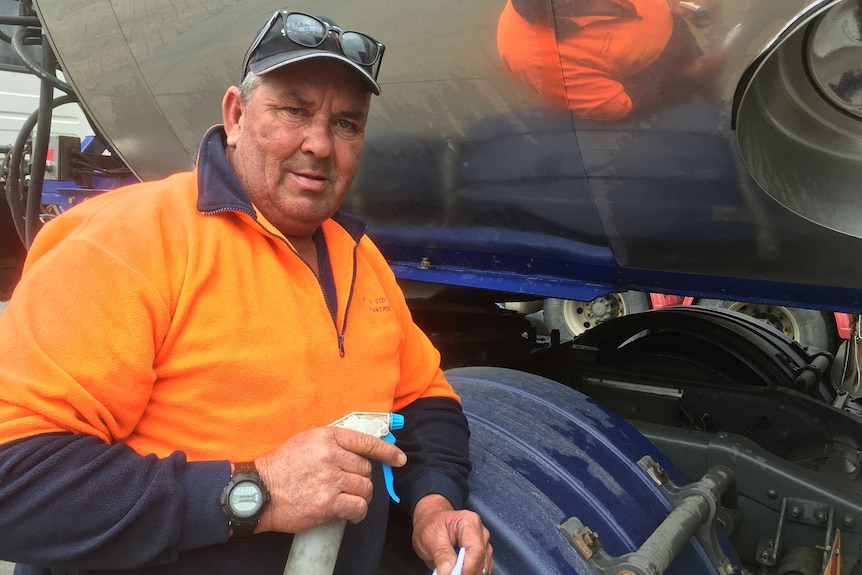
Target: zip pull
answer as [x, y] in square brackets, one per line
[341, 344]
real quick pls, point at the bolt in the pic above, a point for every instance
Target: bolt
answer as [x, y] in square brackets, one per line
[658, 474]
[848, 521]
[653, 568]
[795, 511]
[771, 493]
[764, 555]
[820, 517]
[72, 201]
[586, 542]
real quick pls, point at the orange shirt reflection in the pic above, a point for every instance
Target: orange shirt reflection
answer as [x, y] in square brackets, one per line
[582, 65]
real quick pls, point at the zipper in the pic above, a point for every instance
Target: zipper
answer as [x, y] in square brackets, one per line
[340, 334]
[223, 210]
[347, 305]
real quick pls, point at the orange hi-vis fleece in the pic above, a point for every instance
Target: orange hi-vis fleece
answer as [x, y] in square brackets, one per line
[220, 341]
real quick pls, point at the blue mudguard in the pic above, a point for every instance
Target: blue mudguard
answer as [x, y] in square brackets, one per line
[544, 453]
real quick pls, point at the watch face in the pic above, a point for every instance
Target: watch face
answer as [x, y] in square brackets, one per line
[245, 499]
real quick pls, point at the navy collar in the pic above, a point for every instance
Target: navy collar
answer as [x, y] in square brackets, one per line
[219, 189]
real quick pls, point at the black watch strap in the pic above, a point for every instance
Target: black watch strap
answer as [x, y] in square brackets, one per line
[242, 530]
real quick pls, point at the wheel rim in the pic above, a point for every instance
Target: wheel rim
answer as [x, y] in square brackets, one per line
[582, 315]
[777, 316]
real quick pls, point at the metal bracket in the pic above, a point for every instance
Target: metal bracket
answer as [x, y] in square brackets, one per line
[696, 508]
[799, 511]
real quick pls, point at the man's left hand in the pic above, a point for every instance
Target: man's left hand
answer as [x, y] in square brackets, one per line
[438, 530]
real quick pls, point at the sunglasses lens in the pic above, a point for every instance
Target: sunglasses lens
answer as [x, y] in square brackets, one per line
[359, 48]
[304, 30]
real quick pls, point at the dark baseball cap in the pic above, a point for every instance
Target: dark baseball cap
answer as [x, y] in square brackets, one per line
[289, 37]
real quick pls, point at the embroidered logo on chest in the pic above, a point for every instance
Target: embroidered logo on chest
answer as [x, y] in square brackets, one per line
[377, 304]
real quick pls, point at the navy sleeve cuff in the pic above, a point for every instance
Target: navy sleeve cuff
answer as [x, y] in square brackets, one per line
[435, 482]
[204, 523]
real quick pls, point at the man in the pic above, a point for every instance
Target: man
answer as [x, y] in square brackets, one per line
[201, 333]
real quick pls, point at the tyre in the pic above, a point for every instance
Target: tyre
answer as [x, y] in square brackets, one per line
[572, 317]
[812, 329]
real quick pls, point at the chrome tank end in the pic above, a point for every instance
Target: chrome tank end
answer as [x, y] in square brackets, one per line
[800, 120]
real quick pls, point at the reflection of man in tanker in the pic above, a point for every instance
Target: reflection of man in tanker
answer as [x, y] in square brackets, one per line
[597, 57]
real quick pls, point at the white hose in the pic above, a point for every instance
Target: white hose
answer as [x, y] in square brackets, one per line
[315, 550]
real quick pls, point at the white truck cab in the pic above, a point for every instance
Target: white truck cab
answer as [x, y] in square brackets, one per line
[19, 97]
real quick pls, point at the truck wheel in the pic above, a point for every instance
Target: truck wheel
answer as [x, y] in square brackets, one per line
[572, 317]
[810, 328]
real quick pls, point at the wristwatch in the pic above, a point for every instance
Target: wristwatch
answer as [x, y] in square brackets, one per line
[244, 499]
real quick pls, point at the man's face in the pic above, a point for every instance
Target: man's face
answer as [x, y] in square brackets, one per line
[295, 145]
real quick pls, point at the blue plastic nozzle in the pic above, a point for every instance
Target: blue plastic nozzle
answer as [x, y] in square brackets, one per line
[396, 421]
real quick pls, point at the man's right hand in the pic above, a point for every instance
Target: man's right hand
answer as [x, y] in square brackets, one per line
[320, 475]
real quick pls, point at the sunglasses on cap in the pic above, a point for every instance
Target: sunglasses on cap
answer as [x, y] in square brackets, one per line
[270, 48]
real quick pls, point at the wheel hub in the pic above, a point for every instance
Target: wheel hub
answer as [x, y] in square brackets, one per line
[776, 316]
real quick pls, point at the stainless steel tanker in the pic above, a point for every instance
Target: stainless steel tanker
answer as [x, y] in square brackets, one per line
[746, 169]
[528, 149]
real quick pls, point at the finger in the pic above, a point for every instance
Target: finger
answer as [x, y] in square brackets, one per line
[470, 531]
[489, 560]
[353, 499]
[369, 446]
[349, 462]
[474, 537]
[357, 485]
[489, 563]
[474, 559]
[349, 508]
[444, 558]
